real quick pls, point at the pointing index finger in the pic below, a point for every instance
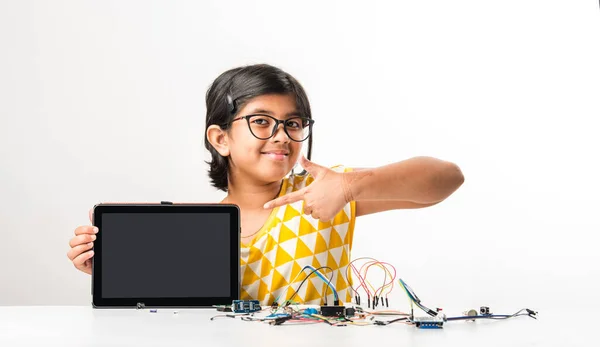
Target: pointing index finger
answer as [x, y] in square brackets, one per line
[286, 199]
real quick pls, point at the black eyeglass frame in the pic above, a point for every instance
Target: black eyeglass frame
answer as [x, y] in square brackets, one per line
[277, 122]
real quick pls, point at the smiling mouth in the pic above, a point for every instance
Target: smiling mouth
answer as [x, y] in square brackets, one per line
[276, 156]
[273, 153]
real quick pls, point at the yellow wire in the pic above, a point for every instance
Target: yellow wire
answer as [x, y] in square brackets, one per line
[407, 294]
[391, 281]
[367, 265]
[385, 269]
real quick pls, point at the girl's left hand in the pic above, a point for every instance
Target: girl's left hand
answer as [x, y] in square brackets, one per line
[324, 197]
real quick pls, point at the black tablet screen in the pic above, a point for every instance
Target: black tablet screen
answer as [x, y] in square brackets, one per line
[156, 255]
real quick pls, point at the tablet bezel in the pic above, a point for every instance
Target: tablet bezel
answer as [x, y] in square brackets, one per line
[234, 212]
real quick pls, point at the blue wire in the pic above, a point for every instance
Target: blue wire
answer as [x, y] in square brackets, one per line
[482, 316]
[326, 280]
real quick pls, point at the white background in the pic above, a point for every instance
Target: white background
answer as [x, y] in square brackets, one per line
[104, 101]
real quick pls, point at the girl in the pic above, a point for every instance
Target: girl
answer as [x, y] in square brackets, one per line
[257, 119]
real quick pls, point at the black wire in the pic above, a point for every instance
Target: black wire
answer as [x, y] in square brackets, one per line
[328, 282]
[229, 316]
[287, 303]
[306, 278]
[379, 322]
[427, 309]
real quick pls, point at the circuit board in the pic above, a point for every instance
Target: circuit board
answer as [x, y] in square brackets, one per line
[245, 306]
[428, 322]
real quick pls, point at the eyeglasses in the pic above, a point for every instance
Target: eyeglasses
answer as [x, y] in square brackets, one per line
[263, 127]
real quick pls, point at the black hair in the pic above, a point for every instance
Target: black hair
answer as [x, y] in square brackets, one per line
[230, 91]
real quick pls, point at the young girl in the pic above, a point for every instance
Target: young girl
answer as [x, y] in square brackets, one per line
[258, 118]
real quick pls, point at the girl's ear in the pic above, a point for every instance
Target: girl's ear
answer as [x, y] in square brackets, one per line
[218, 139]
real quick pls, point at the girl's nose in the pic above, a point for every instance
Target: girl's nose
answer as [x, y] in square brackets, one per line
[280, 135]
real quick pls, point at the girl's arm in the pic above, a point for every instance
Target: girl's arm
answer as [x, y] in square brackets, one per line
[413, 183]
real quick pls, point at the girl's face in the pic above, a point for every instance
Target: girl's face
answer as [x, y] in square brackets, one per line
[264, 160]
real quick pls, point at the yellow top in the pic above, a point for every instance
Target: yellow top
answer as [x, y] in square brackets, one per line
[272, 261]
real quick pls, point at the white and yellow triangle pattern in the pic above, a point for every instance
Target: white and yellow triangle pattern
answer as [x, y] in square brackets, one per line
[288, 242]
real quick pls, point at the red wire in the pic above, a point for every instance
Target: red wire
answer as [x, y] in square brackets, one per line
[367, 270]
[361, 279]
[382, 263]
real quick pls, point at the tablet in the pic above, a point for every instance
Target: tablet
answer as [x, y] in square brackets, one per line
[166, 255]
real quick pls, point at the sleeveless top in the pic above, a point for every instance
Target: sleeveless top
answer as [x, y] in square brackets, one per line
[272, 261]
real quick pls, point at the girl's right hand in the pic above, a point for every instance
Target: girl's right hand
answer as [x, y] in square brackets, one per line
[81, 252]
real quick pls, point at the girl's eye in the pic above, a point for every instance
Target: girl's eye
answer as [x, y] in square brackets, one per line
[260, 121]
[294, 124]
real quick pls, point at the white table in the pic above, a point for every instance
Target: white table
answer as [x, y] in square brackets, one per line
[85, 326]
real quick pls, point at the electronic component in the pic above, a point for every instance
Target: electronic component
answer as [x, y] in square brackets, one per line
[222, 308]
[470, 313]
[245, 306]
[280, 320]
[436, 322]
[333, 311]
[531, 313]
[112, 285]
[340, 315]
[310, 311]
[277, 315]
